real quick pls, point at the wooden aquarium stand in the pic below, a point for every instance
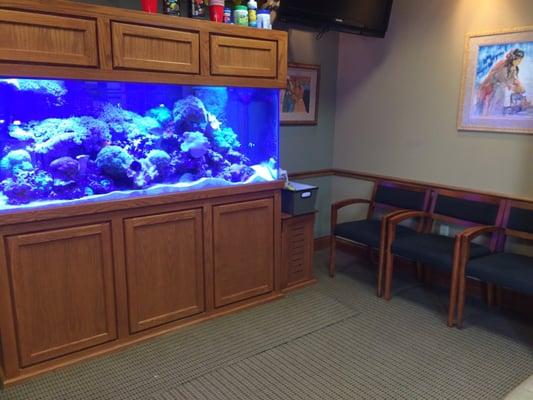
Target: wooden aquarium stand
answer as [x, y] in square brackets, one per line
[82, 280]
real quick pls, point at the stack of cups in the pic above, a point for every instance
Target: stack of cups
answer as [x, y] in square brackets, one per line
[216, 10]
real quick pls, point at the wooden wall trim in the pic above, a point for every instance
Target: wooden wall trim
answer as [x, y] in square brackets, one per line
[367, 176]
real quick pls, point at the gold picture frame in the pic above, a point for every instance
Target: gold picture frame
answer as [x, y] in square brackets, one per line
[299, 100]
[497, 82]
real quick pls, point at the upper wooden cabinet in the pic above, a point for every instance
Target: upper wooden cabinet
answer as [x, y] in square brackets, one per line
[61, 39]
[47, 39]
[155, 49]
[236, 56]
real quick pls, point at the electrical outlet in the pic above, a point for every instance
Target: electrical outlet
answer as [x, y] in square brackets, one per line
[444, 230]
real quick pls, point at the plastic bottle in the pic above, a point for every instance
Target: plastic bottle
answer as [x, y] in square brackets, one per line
[252, 13]
[263, 19]
[240, 16]
[227, 15]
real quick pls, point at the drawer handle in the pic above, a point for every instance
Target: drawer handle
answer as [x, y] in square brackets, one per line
[305, 195]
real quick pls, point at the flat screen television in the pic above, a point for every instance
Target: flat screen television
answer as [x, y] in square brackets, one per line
[364, 17]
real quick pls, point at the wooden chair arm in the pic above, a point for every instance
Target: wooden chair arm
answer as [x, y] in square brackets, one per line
[346, 202]
[471, 233]
[343, 203]
[398, 217]
[403, 215]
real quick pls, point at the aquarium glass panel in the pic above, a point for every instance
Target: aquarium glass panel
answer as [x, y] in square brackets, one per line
[71, 141]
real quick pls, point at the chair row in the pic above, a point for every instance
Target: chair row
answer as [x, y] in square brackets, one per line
[402, 221]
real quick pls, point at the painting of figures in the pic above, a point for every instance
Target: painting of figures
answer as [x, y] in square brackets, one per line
[299, 100]
[497, 91]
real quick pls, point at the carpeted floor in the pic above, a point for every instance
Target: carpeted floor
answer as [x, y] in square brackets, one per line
[335, 340]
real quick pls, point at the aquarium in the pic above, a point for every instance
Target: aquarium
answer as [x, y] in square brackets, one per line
[71, 141]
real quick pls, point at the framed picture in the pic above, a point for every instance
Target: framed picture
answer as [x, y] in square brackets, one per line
[299, 100]
[497, 86]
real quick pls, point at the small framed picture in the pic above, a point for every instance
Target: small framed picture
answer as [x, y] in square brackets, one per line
[299, 100]
[497, 87]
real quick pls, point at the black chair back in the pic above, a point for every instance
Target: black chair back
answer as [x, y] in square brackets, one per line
[403, 197]
[520, 219]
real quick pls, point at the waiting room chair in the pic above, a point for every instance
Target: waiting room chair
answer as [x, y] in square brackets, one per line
[436, 250]
[503, 267]
[387, 197]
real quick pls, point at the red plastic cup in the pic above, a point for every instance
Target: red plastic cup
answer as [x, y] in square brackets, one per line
[149, 6]
[216, 13]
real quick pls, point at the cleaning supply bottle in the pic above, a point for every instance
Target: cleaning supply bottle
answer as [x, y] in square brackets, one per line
[252, 13]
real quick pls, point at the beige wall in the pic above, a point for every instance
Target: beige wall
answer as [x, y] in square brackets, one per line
[397, 100]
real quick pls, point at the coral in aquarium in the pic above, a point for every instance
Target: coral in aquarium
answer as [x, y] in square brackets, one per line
[155, 138]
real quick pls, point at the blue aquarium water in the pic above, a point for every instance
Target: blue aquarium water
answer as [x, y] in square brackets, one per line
[71, 141]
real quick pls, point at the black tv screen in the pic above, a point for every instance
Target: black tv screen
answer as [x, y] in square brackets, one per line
[366, 17]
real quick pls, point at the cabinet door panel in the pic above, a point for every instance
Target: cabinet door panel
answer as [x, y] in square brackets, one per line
[155, 49]
[235, 56]
[243, 250]
[165, 270]
[47, 39]
[62, 289]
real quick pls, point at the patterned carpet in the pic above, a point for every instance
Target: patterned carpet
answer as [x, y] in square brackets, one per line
[334, 340]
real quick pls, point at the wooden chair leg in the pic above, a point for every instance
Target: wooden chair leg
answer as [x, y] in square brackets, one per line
[489, 294]
[332, 245]
[419, 271]
[389, 262]
[498, 295]
[461, 299]
[381, 268]
[454, 286]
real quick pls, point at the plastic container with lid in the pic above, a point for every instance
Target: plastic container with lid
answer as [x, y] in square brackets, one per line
[240, 15]
[227, 15]
[252, 13]
[216, 10]
[263, 19]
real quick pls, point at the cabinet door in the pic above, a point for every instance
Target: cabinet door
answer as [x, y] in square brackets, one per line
[155, 49]
[243, 250]
[236, 56]
[47, 39]
[165, 269]
[62, 289]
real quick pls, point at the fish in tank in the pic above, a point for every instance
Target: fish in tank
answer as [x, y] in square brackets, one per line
[73, 141]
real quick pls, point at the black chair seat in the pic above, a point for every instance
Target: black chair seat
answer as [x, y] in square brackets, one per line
[433, 250]
[367, 231]
[513, 271]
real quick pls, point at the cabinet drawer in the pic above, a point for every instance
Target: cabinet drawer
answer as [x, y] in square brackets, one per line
[47, 39]
[140, 47]
[235, 56]
[164, 263]
[62, 291]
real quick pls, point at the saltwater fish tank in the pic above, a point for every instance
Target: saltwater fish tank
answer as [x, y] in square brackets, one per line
[72, 141]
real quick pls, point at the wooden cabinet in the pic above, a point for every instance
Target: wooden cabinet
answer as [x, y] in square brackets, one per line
[237, 56]
[86, 279]
[57, 39]
[164, 263]
[297, 250]
[243, 250]
[62, 291]
[47, 39]
[155, 49]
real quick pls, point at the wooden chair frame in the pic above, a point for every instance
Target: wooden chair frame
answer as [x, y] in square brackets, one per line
[500, 233]
[428, 220]
[372, 206]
